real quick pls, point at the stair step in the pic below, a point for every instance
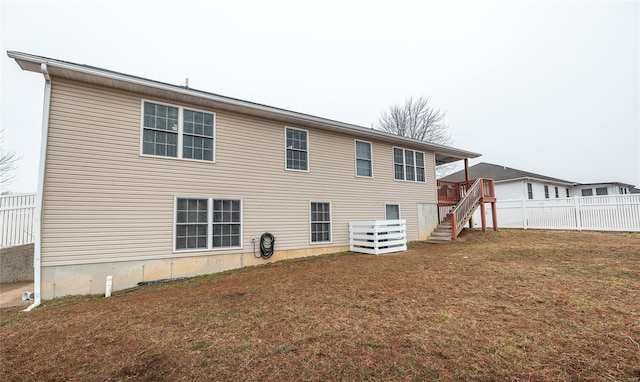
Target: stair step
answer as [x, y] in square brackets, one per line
[441, 234]
[441, 239]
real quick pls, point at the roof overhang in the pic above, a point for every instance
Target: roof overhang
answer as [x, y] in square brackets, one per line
[619, 184]
[150, 88]
[541, 180]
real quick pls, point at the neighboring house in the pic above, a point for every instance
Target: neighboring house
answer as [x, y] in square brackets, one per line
[514, 184]
[142, 180]
[511, 184]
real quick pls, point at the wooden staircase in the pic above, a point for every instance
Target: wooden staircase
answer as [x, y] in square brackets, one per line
[442, 233]
[468, 201]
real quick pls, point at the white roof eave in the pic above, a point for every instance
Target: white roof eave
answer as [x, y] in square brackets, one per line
[148, 87]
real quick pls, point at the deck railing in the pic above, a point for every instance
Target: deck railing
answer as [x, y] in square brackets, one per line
[465, 207]
[458, 200]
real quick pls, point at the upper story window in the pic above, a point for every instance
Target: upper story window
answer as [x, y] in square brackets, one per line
[567, 189]
[587, 192]
[408, 165]
[546, 192]
[557, 193]
[529, 190]
[364, 166]
[177, 132]
[297, 147]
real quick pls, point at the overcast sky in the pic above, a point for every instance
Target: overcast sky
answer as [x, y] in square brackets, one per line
[547, 87]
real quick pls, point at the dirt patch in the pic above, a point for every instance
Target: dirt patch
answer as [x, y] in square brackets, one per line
[507, 305]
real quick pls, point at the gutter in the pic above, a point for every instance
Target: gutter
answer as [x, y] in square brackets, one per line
[37, 219]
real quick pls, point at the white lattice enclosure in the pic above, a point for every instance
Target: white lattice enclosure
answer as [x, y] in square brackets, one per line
[377, 237]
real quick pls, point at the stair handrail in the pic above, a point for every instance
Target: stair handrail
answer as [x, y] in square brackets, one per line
[464, 207]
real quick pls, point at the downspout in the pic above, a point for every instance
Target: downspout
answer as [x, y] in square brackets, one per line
[37, 219]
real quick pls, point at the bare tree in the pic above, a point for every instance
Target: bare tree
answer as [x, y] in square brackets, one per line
[418, 120]
[8, 161]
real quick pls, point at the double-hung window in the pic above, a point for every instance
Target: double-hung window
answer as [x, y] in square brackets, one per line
[408, 165]
[546, 192]
[177, 132]
[297, 148]
[364, 166]
[529, 190]
[557, 193]
[208, 223]
[320, 219]
[226, 223]
[192, 224]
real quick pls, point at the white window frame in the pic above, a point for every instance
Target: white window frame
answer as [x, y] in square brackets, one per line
[286, 148]
[404, 165]
[355, 149]
[180, 132]
[392, 204]
[210, 246]
[330, 223]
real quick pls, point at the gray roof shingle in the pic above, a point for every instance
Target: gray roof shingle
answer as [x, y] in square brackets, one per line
[500, 173]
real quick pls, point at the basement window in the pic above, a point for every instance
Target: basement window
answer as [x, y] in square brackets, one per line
[320, 219]
[207, 223]
[392, 211]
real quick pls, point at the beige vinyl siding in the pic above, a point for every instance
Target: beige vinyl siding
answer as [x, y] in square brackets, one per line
[105, 202]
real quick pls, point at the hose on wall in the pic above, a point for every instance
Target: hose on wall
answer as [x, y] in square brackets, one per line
[267, 245]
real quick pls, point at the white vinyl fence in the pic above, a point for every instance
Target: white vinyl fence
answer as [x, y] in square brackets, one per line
[597, 213]
[377, 237]
[16, 219]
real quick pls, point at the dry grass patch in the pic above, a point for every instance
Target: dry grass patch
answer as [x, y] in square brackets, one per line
[508, 305]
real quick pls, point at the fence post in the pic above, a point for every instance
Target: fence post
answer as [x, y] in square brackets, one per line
[577, 207]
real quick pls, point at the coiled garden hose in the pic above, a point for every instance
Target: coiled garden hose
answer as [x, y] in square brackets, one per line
[267, 245]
